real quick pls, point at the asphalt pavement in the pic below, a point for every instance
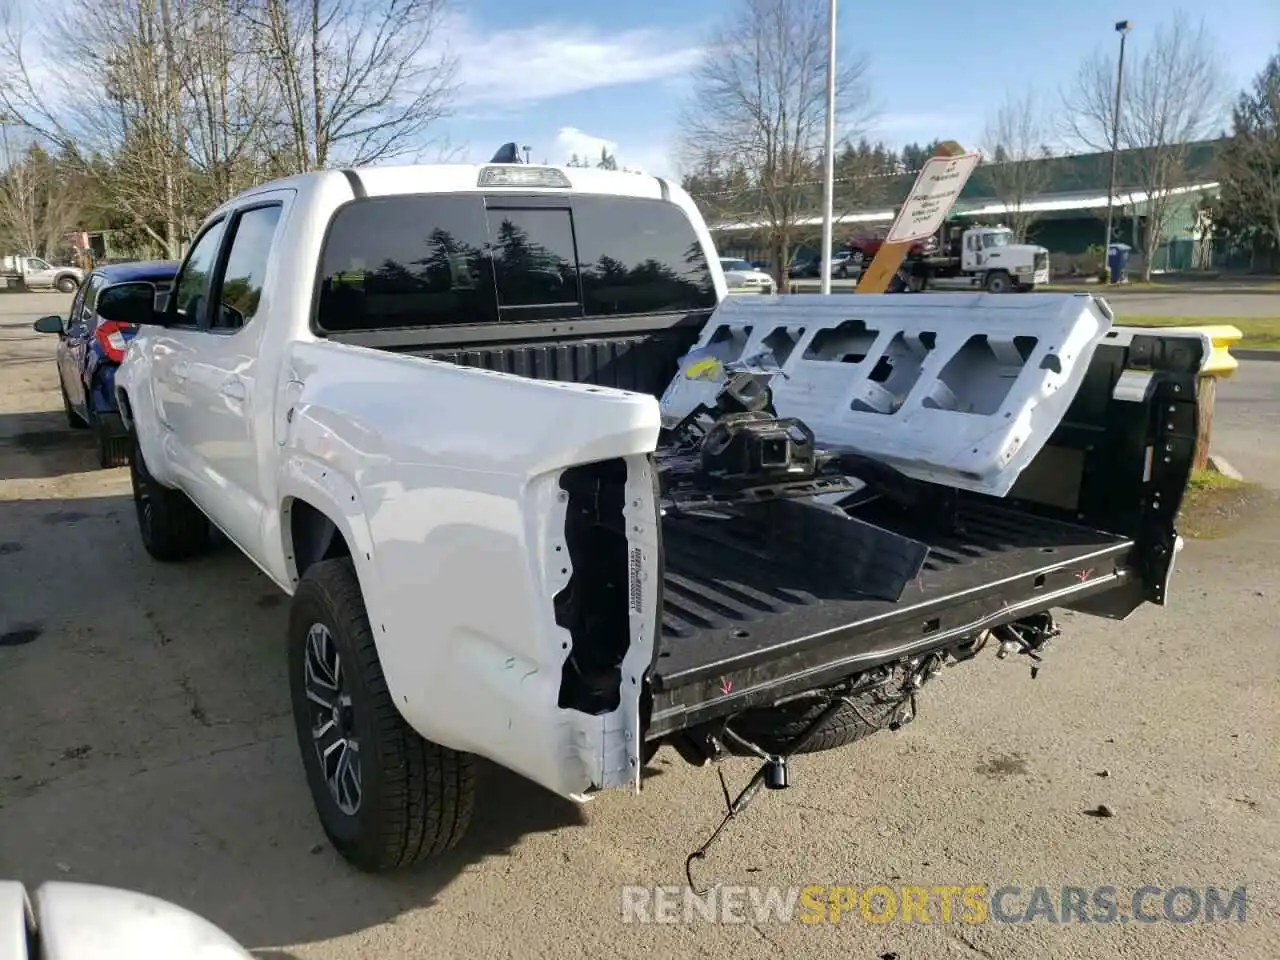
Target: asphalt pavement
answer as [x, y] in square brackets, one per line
[145, 742]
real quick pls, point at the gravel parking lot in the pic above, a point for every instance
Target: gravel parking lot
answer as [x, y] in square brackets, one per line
[145, 742]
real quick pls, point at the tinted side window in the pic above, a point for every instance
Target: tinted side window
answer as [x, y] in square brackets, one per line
[77, 305]
[94, 287]
[639, 256]
[406, 262]
[246, 267]
[191, 293]
[534, 263]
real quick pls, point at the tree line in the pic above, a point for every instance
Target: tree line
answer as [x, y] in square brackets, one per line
[753, 135]
[164, 108]
[141, 115]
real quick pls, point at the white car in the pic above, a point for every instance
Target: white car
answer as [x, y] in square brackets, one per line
[742, 277]
[80, 921]
[498, 431]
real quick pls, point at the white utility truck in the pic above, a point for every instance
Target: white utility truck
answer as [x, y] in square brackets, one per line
[32, 273]
[982, 257]
[541, 492]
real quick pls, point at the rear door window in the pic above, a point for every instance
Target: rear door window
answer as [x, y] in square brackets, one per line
[246, 266]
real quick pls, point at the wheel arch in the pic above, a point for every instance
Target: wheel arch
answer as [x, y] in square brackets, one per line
[312, 536]
[320, 516]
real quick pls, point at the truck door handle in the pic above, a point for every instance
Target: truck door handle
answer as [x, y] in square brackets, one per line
[233, 387]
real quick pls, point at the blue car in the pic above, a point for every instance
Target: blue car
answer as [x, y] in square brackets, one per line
[90, 349]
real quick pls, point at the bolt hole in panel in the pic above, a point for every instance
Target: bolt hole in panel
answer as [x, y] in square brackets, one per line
[960, 389]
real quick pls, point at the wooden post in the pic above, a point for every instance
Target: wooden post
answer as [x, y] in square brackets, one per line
[1207, 389]
[888, 259]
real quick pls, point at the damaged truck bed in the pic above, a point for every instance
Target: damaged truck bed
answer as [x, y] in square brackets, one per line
[748, 619]
[1001, 457]
[540, 491]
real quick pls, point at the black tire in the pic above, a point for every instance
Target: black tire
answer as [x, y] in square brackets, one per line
[172, 527]
[113, 451]
[73, 418]
[998, 282]
[775, 728]
[66, 285]
[415, 797]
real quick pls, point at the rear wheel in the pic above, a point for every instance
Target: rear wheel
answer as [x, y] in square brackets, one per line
[113, 451]
[386, 798]
[172, 527]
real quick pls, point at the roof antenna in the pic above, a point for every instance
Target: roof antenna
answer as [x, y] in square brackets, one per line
[507, 153]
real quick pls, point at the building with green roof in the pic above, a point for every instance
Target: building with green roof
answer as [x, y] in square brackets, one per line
[1070, 209]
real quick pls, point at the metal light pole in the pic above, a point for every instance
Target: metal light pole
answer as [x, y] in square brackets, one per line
[1122, 28]
[828, 155]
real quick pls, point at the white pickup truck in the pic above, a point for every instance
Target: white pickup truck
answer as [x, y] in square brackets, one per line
[32, 273]
[540, 493]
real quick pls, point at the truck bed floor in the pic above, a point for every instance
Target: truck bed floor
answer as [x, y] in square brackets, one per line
[734, 602]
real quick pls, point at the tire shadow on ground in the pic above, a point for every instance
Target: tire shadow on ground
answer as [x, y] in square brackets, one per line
[148, 741]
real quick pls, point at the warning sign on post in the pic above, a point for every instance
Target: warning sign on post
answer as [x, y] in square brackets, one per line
[936, 190]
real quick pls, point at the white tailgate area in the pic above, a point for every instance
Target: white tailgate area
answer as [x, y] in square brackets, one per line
[960, 389]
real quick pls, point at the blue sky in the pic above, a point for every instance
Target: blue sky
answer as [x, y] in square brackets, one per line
[564, 81]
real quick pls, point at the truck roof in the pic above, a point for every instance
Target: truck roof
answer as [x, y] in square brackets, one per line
[380, 181]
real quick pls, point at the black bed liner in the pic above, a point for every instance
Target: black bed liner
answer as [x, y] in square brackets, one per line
[746, 619]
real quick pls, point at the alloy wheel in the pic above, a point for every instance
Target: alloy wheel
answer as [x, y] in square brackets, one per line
[333, 720]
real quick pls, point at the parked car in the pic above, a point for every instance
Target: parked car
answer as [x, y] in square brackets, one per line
[862, 250]
[91, 348]
[58, 920]
[32, 273]
[742, 277]
[808, 267]
[803, 267]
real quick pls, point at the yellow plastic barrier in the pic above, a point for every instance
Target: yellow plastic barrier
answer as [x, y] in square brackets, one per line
[1219, 363]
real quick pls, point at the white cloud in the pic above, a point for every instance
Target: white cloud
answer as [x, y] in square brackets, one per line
[571, 141]
[503, 67]
[649, 159]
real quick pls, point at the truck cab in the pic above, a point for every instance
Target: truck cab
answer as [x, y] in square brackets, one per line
[989, 257]
[986, 247]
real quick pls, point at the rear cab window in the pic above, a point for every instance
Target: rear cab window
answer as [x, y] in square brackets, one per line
[449, 259]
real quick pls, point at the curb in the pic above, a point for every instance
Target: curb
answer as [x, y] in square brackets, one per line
[1223, 466]
[1255, 354]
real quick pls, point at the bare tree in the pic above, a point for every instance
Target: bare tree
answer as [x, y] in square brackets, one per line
[103, 85]
[356, 82]
[1014, 139]
[19, 198]
[755, 123]
[39, 203]
[1173, 96]
[227, 91]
